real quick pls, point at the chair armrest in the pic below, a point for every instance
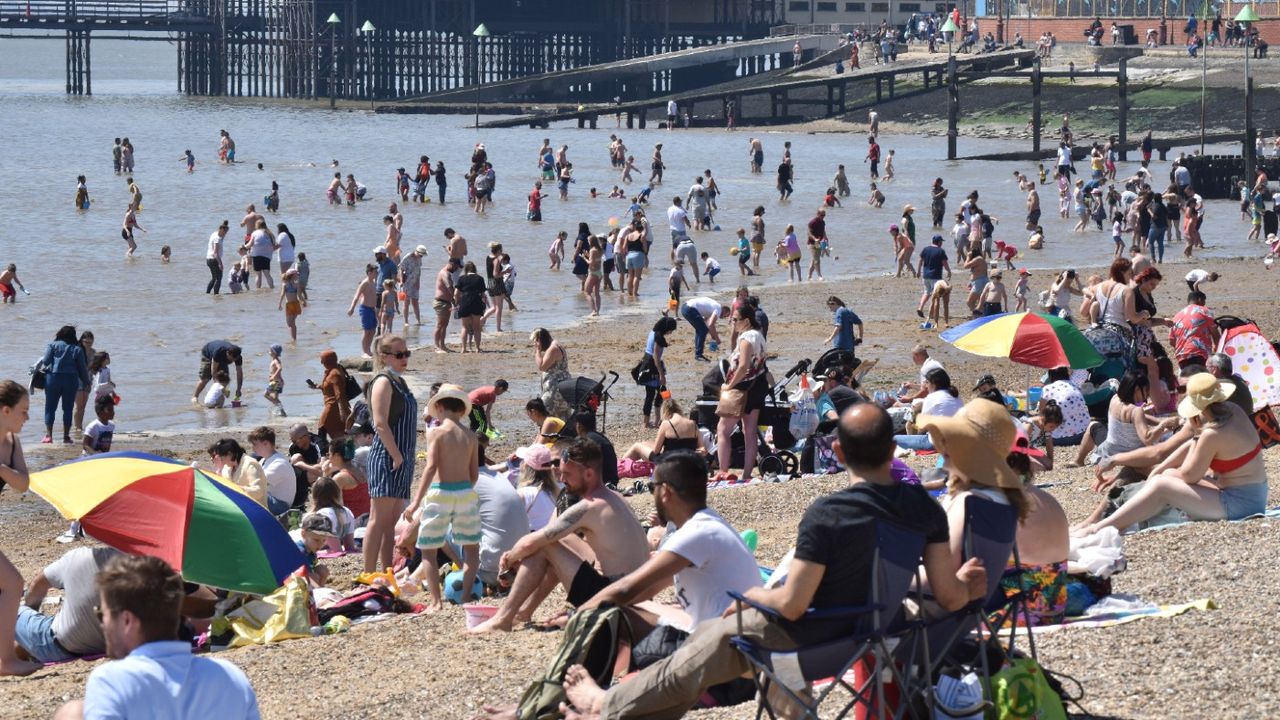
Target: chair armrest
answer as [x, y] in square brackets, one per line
[741, 600]
[841, 612]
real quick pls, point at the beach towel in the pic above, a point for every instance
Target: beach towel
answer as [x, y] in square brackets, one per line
[1121, 609]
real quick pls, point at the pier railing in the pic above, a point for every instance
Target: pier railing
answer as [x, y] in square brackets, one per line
[87, 9]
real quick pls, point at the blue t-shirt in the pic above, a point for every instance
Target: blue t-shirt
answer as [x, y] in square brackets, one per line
[845, 320]
[932, 259]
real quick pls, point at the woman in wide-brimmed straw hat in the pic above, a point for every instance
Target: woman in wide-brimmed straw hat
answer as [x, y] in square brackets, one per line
[974, 444]
[1219, 476]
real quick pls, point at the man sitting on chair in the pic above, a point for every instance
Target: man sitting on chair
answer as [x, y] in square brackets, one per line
[830, 569]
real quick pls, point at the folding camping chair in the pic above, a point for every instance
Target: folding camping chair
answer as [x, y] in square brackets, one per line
[990, 531]
[895, 563]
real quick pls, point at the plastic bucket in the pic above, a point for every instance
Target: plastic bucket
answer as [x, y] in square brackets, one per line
[477, 614]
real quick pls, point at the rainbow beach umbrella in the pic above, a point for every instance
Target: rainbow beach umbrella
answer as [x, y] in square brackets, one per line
[205, 527]
[1036, 339]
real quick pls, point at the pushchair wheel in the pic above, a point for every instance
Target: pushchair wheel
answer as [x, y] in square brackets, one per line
[771, 465]
[790, 463]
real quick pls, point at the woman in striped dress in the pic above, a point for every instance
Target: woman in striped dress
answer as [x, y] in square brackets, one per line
[395, 426]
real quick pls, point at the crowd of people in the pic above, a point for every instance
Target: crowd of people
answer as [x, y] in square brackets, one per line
[553, 512]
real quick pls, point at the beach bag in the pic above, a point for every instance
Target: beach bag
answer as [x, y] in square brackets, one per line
[351, 390]
[39, 374]
[600, 641]
[364, 601]
[285, 614]
[645, 371]
[959, 698]
[732, 402]
[1268, 429]
[1021, 690]
[804, 412]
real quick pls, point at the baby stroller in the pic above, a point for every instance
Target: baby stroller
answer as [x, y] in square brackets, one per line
[776, 459]
[588, 395]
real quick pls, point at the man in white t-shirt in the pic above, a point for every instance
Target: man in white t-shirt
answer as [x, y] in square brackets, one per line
[703, 313]
[1197, 278]
[702, 555]
[213, 258]
[672, 111]
[917, 391]
[282, 483]
[678, 219]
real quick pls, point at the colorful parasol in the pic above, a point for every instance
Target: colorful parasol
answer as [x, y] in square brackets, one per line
[206, 528]
[1036, 339]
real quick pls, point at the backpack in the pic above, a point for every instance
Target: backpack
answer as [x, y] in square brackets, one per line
[599, 640]
[397, 400]
[351, 390]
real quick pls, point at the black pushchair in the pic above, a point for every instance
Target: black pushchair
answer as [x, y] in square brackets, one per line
[588, 395]
[776, 459]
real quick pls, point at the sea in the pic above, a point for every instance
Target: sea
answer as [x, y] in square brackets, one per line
[153, 318]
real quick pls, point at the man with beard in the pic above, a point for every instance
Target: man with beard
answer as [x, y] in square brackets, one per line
[601, 518]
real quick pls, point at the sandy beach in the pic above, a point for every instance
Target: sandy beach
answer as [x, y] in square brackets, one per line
[423, 666]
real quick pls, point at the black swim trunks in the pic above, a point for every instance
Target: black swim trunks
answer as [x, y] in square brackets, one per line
[586, 583]
[261, 263]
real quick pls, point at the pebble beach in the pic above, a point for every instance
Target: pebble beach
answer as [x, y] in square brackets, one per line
[1221, 661]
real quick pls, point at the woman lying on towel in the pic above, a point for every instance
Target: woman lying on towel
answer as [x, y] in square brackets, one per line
[1219, 476]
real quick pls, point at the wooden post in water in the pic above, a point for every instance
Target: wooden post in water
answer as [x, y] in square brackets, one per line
[953, 108]
[1036, 80]
[1123, 84]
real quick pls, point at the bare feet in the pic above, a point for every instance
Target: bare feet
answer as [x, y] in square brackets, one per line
[494, 624]
[585, 696]
[18, 667]
[498, 712]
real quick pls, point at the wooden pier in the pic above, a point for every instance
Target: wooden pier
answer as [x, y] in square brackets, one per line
[384, 49]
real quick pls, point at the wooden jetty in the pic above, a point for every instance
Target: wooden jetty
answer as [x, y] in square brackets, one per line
[785, 92]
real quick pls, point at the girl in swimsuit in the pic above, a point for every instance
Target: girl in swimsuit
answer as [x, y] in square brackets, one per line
[290, 301]
[595, 273]
[1220, 476]
[14, 404]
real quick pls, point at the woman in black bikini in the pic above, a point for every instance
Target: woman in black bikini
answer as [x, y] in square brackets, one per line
[676, 432]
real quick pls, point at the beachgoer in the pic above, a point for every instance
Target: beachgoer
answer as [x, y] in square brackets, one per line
[471, 303]
[601, 518]
[553, 364]
[66, 371]
[394, 413]
[15, 403]
[140, 600]
[447, 486]
[365, 298]
[743, 393]
[410, 270]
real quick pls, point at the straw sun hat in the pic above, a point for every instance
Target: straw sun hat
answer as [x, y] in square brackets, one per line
[976, 441]
[450, 391]
[1203, 390]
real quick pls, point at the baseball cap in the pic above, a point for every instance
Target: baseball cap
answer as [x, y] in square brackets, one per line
[318, 524]
[380, 250]
[1024, 271]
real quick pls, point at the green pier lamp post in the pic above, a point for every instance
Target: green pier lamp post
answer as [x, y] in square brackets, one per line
[480, 32]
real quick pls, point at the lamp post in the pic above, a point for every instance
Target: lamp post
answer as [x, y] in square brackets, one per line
[1247, 15]
[949, 27]
[480, 32]
[333, 58]
[367, 30]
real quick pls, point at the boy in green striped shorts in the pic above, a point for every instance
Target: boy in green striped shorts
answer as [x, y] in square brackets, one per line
[447, 485]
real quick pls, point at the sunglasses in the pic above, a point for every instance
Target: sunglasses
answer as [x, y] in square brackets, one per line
[402, 355]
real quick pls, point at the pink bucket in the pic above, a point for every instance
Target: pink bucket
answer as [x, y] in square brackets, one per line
[477, 614]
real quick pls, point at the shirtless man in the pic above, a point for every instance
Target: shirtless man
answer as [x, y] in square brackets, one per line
[455, 247]
[250, 221]
[392, 243]
[442, 302]
[1033, 208]
[448, 487]
[656, 164]
[335, 187]
[9, 278]
[366, 299]
[394, 211]
[562, 157]
[607, 525]
[135, 196]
